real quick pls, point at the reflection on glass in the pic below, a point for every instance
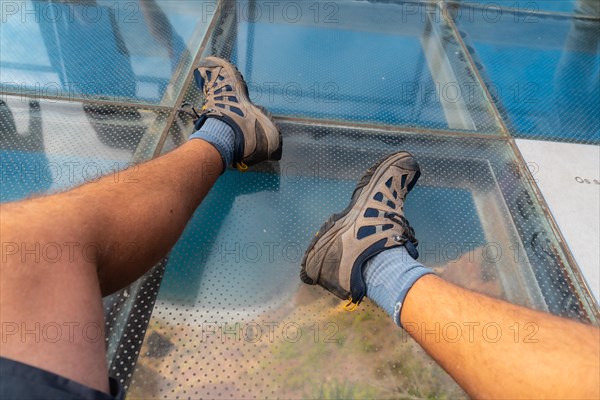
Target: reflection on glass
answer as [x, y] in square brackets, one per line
[542, 70]
[233, 320]
[132, 50]
[583, 38]
[47, 146]
[377, 63]
[18, 149]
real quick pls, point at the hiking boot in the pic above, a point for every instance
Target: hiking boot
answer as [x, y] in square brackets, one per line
[257, 137]
[373, 222]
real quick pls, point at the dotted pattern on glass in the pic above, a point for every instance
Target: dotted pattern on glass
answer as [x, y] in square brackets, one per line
[369, 63]
[127, 316]
[541, 70]
[233, 320]
[135, 50]
[48, 146]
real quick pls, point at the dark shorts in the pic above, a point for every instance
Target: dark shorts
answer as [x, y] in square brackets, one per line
[22, 381]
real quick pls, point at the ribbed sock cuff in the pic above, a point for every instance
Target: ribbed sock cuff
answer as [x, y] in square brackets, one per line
[221, 136]
[389, 276]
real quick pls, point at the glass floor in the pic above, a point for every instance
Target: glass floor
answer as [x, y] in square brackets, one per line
[89, 88]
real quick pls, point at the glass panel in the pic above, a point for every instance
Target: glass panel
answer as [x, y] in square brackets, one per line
[127, 313]
[568, 176]
[233, 320]
[588, 8]
[542, 70]
[367, 62]
[118, 50]
[48, 145]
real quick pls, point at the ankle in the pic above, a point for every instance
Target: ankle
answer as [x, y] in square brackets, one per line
[389, 276]
[221, 136]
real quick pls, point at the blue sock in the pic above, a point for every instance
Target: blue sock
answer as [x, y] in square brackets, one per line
[221, 136]
[389, 276]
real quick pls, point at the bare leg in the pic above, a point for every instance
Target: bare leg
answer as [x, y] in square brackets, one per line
[61, 253]
[504, 351]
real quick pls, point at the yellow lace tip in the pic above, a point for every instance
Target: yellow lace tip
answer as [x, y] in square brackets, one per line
[241, 167]
[350, 306]
[203, 108]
